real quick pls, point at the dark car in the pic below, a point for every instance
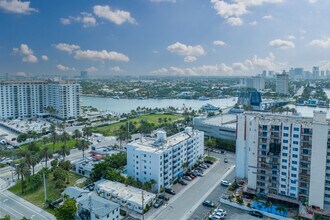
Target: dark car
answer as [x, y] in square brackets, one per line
[209, 162]
[256, 214]
[158, 203]
[170, 191]
[208, 203]
[183, 183]
[225, 160]
[188, 178]
[164, 197]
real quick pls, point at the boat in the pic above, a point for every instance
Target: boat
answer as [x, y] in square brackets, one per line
[203, 98]
[115, 97]
[209, 107]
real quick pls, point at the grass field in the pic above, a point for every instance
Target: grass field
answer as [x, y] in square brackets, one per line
[70, 144]
[37, 196]
[109, 130]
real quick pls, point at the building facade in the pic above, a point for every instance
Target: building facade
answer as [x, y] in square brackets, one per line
[164, 159]
[24, 99]
[256, 82]
[282, 83]
[285, 157]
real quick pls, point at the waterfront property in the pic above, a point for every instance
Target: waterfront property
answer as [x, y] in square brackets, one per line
[285, 157]
[126, 196]
[25, 99]
[220, 126]
[164, 159]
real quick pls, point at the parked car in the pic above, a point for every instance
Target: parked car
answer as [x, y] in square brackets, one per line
[197, 173]
[225, 160]
[203, 166]
[214, 217]
[209, 162]
[188, 178]
[181, 182]
[218, 210]
[200, 169]
[158, 203]
[164, 197]
[170, 191]
[224, 183]
[218, 215]
[208, 203]
[207, 165]
[192, 176]
[256, 214]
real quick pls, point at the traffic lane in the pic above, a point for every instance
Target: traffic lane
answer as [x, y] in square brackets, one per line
[181, 207]
[202, 211]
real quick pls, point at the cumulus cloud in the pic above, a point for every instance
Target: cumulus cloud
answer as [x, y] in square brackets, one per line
[235, 21]
[64, 68]
[116, 16]
[26, 53]
[69, 48]
[258, 2]
[219, 42]
[312, 1]
[267, 17]
[86, 19]
[172, 1]
[44, 58]
[249, 66]
[291, 37]
[116, 69]
[253, 23]
[17, 7]
[102, 55]
[190, 52]
[92, 69]
[322, 42]
[282, 44]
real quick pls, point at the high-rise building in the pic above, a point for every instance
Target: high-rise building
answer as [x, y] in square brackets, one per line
[22, 99]
[316, 72]
[285, 157]
[164, 159]
[282, 83]
[83, 74]
[256, 82]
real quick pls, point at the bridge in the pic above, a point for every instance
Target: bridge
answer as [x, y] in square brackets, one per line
[269, 104]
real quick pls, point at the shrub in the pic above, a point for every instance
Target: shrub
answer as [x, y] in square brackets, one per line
[239, 200]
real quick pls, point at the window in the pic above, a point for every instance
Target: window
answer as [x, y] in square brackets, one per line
[284, 154]
[292, 195]
[286, 128]
[282, 192]
[284, 167]
[285, 147]
[294, 162]
[296, 129]
[296, 136]
[293, 175]
[295, 155]
[285, 141]
[284, 160]
[283, 179]
[282, 186]
[283, 173]
[295, 149]
[295, 142]
[293, 188]
[286, 135]
[294, 169]
[293, 181]
[305, 151]
[264, 127]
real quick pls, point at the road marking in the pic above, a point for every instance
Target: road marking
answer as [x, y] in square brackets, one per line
[33, 216]
[5, 200]
[187, 216]
[11, 211]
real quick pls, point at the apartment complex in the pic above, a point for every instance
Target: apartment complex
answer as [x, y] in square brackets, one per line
[164, 159]
[23, 99]
[282, 83]
[285, 157]
[256, 82]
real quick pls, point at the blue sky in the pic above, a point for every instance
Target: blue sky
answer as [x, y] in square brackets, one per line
[163, 37]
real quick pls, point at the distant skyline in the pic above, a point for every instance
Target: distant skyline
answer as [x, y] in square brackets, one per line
[163, 37]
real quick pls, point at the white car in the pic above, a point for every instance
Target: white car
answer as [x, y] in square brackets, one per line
[224, 183]
[221, 211]
[218, 215]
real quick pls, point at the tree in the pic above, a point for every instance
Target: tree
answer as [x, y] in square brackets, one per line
[45, 140]
[64, 151]
[77, 134]
[22, 170]
[87, 132]
[67, 211]
[54, 138]
[65, 137]
[83, 145]
[46, 154]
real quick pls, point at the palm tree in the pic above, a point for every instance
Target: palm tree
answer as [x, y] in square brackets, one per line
[46, 154]
[83, 145]
[52, 128]
[65, 137]
[22, 171]
[87, 132]
[45, 140]
[77, 135]
[35, 160]
[54, 138]
[64, 151]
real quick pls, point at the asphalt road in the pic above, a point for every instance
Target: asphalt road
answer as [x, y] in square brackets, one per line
[183, 205]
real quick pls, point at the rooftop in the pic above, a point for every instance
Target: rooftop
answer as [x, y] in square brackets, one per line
[73, 192]
[227, 120]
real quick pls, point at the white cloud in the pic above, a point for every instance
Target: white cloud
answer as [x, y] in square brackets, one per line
[190, 59]
[117, 69]
[235, 21]
[26, 53]
[249, 66]
[92, 69]
[282, 44]
[18, 7]
[102, 55]
[291, 37]
[172, 1]
[116, 16]
[65, 68]
[253, 23]
[186, 50]
[267, 17]
[87, 19]
[323, 42]
[312, 1]
[258, 2]
[24, 74]
[219, 42]
[69, 48]
[44, 58]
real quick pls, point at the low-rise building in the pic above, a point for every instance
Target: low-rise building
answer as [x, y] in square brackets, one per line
[74, 192]
[126, 196]
[83, 167]
[220, 126]
[164, 159]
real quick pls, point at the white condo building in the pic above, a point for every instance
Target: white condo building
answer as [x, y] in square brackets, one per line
[285, 157]
[164, 159]
[20, 99]
[282, 83]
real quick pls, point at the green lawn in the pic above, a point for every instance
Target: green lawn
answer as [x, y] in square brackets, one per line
[37, 196]
[70, 144]
[109, 130]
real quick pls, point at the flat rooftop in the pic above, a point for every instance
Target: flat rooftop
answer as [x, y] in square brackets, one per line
[128, 193]
[226, 120]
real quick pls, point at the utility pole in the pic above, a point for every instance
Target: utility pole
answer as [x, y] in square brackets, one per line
[142, 206]
[45, 190]
[90, 206]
